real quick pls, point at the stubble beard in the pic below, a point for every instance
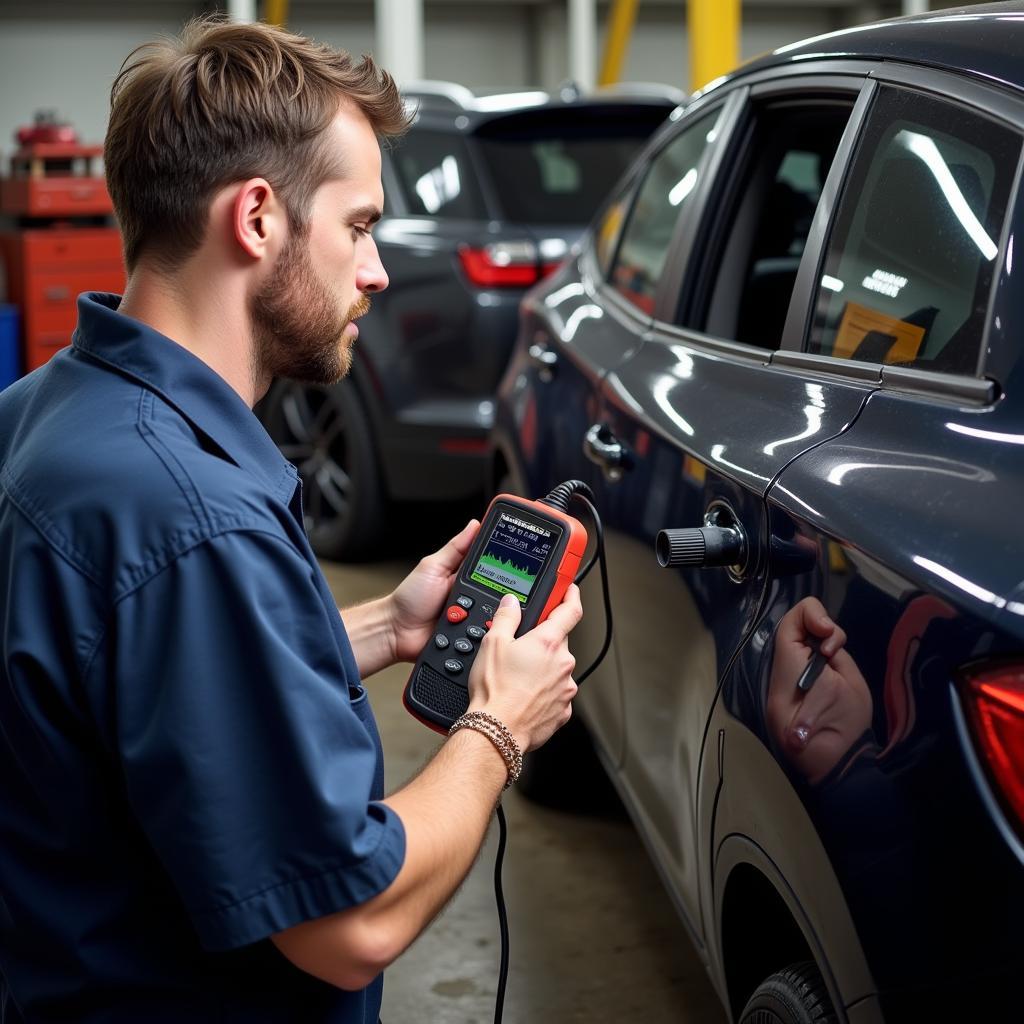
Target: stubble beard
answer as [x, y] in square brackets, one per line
[297, 329]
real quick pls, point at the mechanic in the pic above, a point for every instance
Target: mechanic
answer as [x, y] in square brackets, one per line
[191, 821]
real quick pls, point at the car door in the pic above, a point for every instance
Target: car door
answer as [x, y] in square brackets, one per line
[906, 525]
[577, 329]
[708, 424]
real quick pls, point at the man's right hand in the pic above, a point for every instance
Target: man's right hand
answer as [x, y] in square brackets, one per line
[526, 682]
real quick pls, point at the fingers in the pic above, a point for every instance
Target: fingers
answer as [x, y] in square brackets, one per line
[818, 700]
[507, 618]
[449, 558]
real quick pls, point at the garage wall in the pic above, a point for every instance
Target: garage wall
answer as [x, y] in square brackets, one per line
[64, 54]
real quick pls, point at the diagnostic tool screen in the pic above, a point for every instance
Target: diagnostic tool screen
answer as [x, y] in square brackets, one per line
[514, 555]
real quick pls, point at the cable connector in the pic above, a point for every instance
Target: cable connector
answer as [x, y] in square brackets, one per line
[560, 496]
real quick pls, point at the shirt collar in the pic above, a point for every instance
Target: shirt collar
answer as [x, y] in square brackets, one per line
[185, 382]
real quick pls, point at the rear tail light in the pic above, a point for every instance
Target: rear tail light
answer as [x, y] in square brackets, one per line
[504, 264]
[995, 698]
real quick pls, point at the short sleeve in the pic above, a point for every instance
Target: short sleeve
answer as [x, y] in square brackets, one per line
[247, 762]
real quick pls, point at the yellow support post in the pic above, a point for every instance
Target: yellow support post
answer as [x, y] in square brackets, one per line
[275, 12]
[713, 27]
[621, 19]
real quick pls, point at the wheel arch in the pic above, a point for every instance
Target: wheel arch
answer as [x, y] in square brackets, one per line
[747, 959]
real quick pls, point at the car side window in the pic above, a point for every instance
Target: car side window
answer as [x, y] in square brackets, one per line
[754, 250]
[909, 267]
[436, 177]
[671, 178]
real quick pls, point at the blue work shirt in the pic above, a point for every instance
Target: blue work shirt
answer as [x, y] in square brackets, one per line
[188, 762]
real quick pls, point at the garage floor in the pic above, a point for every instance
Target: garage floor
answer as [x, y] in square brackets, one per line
[593, 936]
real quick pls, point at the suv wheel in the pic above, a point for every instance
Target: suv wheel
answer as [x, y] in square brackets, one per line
[325, 432]
[794, 995]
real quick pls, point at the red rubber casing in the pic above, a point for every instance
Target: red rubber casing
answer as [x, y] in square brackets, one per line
[435, 694]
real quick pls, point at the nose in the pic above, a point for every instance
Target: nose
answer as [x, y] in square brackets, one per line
[371, 275]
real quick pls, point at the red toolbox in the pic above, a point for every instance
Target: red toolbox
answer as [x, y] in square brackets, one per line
[47, 268]
[61, 241]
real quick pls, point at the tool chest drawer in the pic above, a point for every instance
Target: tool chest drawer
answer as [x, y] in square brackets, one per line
[82, 247]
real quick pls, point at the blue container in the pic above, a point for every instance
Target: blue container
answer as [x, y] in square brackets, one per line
[10, 354]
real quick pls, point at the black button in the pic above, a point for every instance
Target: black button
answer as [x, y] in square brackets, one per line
[463, 646]
[466, 602]
[476, 632]
[440, 641]
[488, 611]
[453, 665]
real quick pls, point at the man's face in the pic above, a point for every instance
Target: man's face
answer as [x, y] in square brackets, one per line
[303, 313]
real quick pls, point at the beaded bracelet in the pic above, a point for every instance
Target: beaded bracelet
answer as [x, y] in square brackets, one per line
[499, 735]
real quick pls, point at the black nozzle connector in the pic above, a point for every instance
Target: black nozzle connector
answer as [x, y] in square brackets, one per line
[699, 547]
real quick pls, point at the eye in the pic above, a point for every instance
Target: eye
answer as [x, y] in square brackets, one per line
[359, 232]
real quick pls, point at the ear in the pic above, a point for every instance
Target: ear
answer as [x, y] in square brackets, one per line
[257, 218]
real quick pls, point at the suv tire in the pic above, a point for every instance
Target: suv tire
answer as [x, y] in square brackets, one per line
[794, 995]
[326, 433]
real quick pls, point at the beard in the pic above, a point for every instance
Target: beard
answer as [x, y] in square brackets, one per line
[297, 327]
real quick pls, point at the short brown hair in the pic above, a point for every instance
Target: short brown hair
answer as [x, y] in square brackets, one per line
[223, 103]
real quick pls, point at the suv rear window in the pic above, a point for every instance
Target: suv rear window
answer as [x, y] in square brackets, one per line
[556, 166]
[437, 176]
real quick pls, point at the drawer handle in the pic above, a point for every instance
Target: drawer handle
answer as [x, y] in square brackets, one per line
[57, 293]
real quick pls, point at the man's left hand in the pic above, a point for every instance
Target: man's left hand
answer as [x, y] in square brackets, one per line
[417, 601]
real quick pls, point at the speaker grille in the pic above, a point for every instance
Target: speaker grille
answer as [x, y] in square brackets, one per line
[442, 695]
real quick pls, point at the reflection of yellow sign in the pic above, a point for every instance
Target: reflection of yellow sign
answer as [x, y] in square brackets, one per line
[694, 469]
[860, 320]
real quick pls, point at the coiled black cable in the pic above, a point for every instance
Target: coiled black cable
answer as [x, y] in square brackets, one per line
[558, 498]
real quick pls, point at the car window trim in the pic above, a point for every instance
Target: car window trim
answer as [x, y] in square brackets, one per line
[673, 334]
[798, 316]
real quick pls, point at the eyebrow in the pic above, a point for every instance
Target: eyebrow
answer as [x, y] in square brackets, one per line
[369, 213]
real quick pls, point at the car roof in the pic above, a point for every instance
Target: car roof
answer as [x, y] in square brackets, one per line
[984, 41]
[455, 106]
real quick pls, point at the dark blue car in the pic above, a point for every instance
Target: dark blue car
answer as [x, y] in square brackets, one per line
[788, 359]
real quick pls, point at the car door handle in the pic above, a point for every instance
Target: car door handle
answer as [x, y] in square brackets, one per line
[605, 450]
[544, 359]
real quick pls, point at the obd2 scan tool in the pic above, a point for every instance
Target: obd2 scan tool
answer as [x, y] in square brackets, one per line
[531, 549]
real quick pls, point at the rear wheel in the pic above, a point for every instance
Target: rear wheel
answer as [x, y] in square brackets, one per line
[325, 432]
[794, 995]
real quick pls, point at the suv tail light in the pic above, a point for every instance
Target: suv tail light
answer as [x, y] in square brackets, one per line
[503, 265]
[995, 699]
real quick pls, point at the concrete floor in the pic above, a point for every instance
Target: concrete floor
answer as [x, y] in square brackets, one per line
[593, 935]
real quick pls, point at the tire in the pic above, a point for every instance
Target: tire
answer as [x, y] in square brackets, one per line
[325, 432]
[794, 995]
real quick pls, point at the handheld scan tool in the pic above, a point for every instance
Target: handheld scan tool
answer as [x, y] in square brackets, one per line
[526, 548]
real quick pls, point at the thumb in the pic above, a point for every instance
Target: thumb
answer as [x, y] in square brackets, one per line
[507, 618]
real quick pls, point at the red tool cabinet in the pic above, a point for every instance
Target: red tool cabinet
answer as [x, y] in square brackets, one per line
[60, 246]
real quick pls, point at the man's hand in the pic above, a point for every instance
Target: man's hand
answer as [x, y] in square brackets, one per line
[526, 682]
[814, 729]
[416, 603]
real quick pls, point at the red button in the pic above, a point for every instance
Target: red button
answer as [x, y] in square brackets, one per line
[456, 614]
[488, 624]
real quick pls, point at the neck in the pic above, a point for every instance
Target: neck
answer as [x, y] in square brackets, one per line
[205, 312]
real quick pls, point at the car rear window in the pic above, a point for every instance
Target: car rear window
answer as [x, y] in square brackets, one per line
[437, 177]
[557, 166]
[910, 267]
